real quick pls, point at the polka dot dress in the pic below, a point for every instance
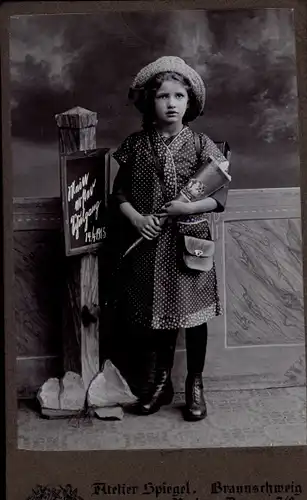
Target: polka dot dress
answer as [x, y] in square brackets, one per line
[157, 289]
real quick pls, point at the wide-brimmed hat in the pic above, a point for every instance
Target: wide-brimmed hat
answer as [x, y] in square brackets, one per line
[166, 64]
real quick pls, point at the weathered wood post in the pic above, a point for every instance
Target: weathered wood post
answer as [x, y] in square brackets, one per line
[77, 133]
[83, 173]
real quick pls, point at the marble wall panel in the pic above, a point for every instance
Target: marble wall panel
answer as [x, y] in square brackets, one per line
[38, 261]
[264, 285]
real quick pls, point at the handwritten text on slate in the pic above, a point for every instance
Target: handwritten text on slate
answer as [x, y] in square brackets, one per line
[82, 193]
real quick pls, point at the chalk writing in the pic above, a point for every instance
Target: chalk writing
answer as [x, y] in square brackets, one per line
[76, 188]
[96, 235]
[82, 219]
[84, 196]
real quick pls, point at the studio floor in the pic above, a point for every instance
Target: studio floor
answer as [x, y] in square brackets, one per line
[269, 417]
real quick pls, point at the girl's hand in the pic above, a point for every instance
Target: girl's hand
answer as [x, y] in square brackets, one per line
[148, 226]
[173, 208]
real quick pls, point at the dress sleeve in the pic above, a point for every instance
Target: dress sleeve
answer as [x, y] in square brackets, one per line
[122, 182]
[209, 148]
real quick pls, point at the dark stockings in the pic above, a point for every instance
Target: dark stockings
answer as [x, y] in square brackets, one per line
[157, 347]
[196, 346]
[165, 344]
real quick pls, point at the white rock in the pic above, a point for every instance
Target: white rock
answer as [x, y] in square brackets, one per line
[111, 413]
[72, 394]
[109, 388]
[48, 394]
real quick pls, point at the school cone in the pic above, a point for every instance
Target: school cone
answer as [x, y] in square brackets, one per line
[211, 176]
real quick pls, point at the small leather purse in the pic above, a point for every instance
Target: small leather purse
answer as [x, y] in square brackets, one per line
[198, 253]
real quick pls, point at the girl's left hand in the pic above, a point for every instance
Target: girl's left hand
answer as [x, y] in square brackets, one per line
[173, 208]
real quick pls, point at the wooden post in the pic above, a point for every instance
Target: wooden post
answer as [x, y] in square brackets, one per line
[89, 318]
[77, 143]
[77, 132]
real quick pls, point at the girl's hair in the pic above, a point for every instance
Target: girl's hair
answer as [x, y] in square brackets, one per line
[146, 98]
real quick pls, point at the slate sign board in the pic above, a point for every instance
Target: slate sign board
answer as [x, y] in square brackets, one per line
[84, 188]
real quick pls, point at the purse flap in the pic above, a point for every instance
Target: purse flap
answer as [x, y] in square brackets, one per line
[199, 247]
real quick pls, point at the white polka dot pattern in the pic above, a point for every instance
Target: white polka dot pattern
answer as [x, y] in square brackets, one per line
[157, 290]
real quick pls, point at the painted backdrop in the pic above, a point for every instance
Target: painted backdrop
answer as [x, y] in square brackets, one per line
[247, 59]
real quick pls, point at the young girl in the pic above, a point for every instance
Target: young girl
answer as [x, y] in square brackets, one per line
[158, 293]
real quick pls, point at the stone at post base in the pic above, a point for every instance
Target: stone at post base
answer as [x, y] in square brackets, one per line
[77, 130]
[73, 393]
[110, 413]
[48, 394]
[60, 398]
[108, 393]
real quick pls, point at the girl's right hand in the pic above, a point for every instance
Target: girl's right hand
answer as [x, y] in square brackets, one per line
[148, 226]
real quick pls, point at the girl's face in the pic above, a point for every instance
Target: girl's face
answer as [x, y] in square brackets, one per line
[171, 102]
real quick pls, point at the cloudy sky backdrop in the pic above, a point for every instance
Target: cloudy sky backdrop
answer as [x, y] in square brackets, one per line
[247, 59]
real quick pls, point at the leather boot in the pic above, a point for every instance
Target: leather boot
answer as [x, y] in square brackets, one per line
[162, 394]
[161, 391]
[196, 408]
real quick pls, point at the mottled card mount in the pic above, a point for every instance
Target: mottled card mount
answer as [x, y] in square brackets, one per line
[72, 472]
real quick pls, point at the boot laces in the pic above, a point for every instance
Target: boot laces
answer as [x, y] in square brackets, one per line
[197, 391]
